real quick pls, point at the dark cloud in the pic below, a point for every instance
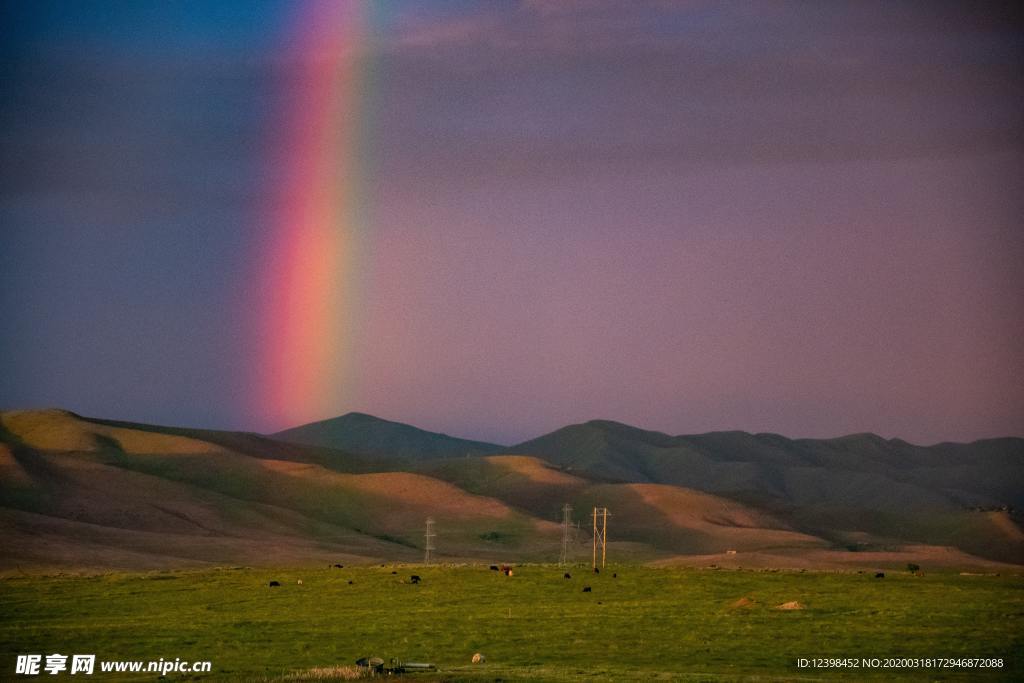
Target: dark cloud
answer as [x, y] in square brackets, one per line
[562, 88]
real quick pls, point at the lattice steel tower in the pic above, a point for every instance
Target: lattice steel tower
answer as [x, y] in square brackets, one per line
[428, 536]
[600, 535]
[566, 533]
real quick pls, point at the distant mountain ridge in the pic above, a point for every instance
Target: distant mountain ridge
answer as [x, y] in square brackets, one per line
[734, 461]
[372, 437]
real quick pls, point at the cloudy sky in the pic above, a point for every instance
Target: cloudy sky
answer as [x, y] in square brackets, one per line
[794, 217]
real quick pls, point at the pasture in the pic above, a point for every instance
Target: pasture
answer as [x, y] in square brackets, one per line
[646, 624]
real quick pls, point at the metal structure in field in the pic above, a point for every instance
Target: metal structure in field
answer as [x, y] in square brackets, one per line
[428, 537]
[600, 535]
[566, 533]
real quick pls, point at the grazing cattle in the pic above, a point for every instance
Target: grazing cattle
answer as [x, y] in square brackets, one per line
[567, 576]
[596, 570]
[494, 567]
[615, 576]
[506, 570]
[880, 575]
[351, 582]
[415, 579]
[586, 589]
[274, 584]
[394, 572]
[478, 658]
[339, 566]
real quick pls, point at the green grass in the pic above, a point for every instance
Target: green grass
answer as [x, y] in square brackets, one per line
[647, 624]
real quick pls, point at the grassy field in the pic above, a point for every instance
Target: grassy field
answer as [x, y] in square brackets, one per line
[646, 624]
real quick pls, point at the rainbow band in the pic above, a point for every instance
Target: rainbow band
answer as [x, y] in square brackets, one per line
[312, 252]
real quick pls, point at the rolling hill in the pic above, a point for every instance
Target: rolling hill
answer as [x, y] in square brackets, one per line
[74, 490]
[858, 469]
[962, 495]
[373, 437]
[88, 494]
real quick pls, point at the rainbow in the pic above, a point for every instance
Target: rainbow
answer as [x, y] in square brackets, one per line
[311, 257]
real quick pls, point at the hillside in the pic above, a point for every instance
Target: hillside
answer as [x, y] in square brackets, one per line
[81, 493]
[372, 437]
[837, 488]
[983, 473]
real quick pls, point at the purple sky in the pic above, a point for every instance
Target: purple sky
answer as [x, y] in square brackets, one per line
[802, 218]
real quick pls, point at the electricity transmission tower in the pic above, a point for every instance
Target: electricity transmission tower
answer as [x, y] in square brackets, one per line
[428, 536]
[600, 535]
[566, 526]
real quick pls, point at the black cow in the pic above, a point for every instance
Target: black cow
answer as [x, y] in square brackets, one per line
[880, 575]
[339, 566]
[567, 576]
[615, 576]
[494, 567]
[274, 584]
[351, 582]
[415, 579]
[596, 570]
[586, 589]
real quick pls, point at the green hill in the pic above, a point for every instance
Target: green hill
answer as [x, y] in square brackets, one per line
[372, 437]
[952, 494]
[862, 470]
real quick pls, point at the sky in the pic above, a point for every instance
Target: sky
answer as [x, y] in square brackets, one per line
[790, 217]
